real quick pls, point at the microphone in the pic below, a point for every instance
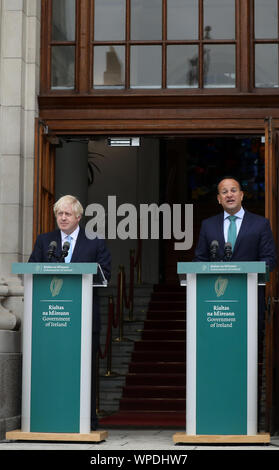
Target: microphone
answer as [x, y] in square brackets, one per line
[228, 251]
[51, 249]
[65, 249]
[214, 246]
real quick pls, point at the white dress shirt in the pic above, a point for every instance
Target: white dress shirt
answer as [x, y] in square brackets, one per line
[238, 221]
[74, 236]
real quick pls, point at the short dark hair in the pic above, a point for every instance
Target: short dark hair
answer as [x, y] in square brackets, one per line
[230, 177]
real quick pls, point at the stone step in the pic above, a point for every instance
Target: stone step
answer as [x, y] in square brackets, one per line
[110, 388]
[110, 392]
[142, 296]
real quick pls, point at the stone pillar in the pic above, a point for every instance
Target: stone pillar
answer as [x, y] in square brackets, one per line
[19, 85]
[71, 171]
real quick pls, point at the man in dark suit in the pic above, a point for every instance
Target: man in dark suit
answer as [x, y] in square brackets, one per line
[254, 240]
[68, 212]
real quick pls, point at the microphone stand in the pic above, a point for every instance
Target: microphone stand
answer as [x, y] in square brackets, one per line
[214, 250]
[228, 251]
[65, 250]
[51, 251]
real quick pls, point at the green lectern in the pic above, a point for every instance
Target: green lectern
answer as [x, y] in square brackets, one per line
[221, 352]
[56, 342]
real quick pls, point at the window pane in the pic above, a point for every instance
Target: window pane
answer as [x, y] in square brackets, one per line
[266, 19]
[219, 19]
[183, 19]
[63, 20]
[109, 20]
[219, 66]
[266, 65]
[63, 67]
[182, 66]
[146, 67]
[109, 67]
[146, 20]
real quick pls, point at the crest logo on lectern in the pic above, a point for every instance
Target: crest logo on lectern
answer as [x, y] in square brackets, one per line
[221, 286]
[56, 286]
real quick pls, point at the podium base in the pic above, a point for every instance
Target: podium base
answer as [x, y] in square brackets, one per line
[93, 436]
[182, 438]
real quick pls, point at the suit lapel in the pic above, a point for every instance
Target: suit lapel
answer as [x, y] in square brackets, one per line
[243, 229]
[58, 237]
[220, 228]
[58, 241]
[78, 245]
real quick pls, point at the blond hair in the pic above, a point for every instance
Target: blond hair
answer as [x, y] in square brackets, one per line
[68, 199]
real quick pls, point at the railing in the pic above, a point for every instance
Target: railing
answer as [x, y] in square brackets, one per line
[116, 312]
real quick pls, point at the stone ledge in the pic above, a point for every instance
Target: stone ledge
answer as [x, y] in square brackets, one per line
[9, 424]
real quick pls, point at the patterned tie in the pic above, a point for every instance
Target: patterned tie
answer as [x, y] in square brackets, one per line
[69, 255]
[232, 230]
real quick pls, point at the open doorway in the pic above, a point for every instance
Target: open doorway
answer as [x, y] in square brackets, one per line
[190, 169]
[172, 169]
[169, 169]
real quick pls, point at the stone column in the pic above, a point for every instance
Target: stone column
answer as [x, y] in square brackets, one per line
[19, 85]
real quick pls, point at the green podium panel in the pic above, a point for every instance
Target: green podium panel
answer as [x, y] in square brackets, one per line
[56, 353]
[57, 336]
[222, 328]
[221, 334]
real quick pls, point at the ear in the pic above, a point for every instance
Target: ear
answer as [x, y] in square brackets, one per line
[218, 198]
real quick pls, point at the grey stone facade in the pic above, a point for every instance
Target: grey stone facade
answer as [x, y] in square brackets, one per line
[19, 85]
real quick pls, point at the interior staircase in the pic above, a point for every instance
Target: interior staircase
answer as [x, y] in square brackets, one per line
[154, 390]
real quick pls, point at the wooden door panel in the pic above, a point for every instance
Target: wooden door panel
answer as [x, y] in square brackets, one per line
[44, 182]
[271, 325]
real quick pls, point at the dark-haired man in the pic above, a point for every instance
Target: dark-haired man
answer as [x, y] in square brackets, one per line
[249, 234]
[253, 236]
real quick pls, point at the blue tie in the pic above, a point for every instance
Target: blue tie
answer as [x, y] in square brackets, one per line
[232, 230]
[69, 255]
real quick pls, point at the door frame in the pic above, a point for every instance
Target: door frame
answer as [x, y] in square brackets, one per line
[272, 287]
[44, 174]
[44, 180]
